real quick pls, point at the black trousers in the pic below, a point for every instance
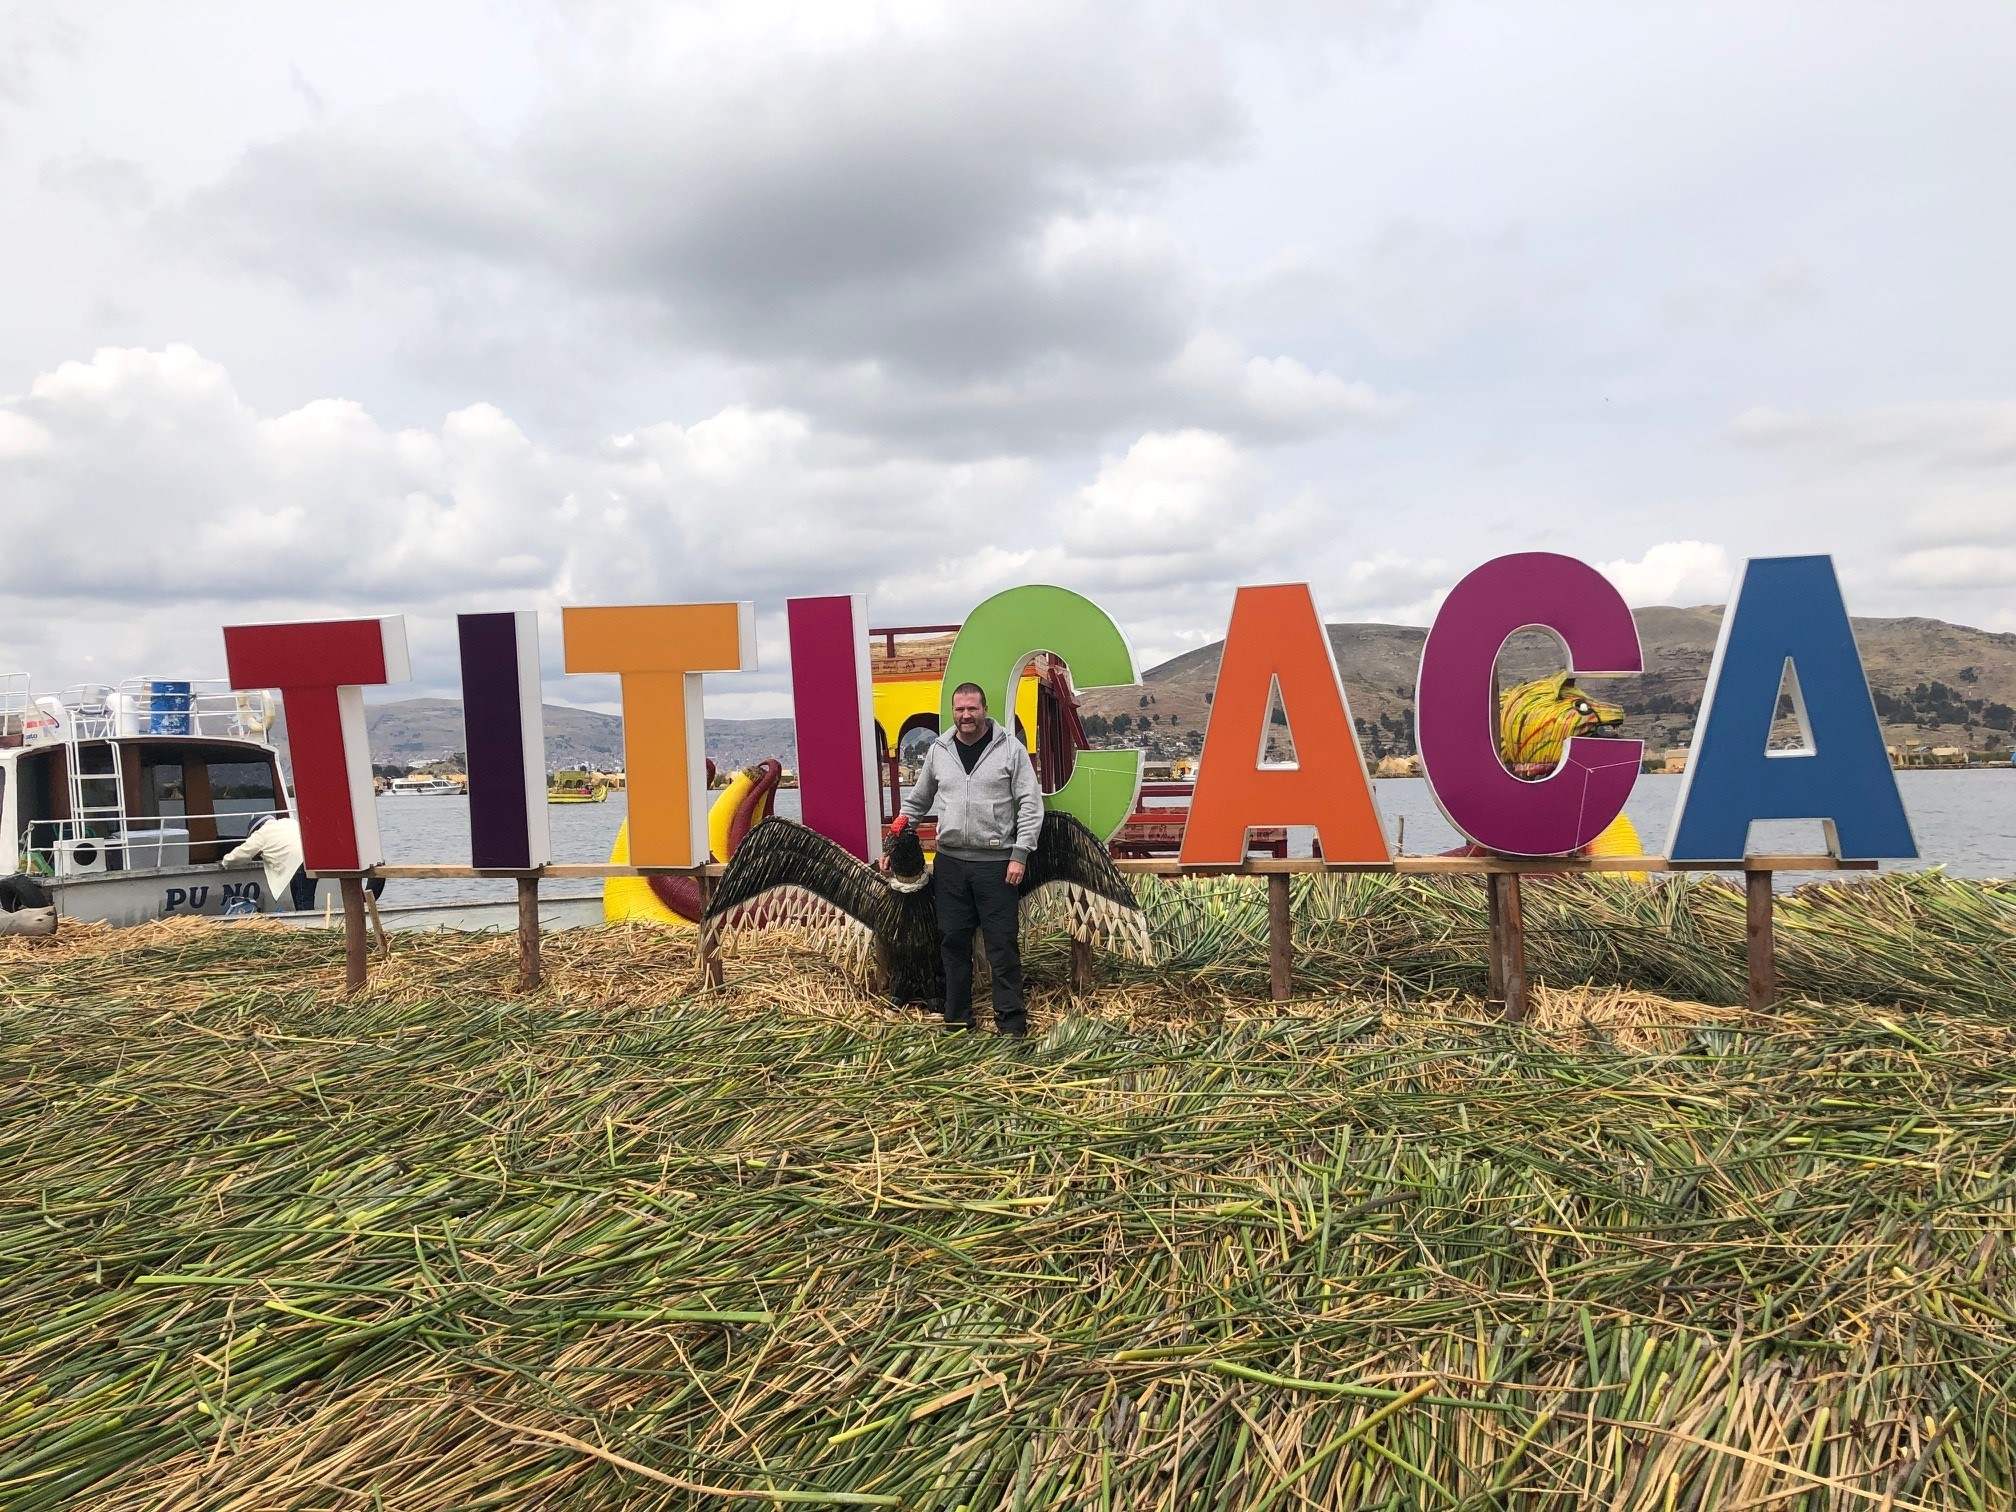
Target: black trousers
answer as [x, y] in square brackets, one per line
[301, 889]
[977, 895]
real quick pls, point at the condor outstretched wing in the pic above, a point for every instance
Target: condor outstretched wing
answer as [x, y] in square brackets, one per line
[1099, 905]
[786, 874]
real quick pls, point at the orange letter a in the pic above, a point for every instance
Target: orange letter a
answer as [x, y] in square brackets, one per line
[1276, 637]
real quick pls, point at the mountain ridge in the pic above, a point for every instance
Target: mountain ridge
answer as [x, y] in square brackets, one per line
[1934, 682]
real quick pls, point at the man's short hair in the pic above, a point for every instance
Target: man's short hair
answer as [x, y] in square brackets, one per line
[972, 688]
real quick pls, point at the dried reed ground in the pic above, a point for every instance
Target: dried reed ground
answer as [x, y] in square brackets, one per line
[625, 1243]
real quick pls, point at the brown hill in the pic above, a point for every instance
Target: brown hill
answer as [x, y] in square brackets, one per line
[413, 730]
[1935, 683]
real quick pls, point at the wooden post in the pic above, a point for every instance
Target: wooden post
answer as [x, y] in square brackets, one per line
[1757, 939]
[710, 953]
[1514, 921]
[1508, 946]
[1280, 938]
[1081, 966]
[1494, 944]
[356, 948]
[528, 934]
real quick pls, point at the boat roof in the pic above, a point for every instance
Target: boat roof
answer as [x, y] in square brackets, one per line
[11, 753]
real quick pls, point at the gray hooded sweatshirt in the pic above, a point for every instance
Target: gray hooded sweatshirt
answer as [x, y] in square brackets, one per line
[992, 814]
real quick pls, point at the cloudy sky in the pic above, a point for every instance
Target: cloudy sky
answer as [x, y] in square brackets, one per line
[491, 304]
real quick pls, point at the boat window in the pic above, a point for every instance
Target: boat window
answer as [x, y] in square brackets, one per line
[161, 790]
[240, 791]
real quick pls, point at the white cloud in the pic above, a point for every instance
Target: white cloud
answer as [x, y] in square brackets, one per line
[142, 487]
[1961, 433]
[1781, 291]
[1173, 494]
[153, 504]
[1931, 489]
[1673, 572]
[1958, 567]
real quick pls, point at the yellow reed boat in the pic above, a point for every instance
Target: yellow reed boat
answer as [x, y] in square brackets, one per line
[577, 787]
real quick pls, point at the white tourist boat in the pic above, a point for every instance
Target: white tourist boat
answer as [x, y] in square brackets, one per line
[425, 787]
[119, 801]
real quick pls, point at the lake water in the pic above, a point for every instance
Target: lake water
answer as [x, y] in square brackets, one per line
[1967, 820]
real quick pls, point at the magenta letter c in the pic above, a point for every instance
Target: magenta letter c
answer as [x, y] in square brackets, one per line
[1456, 708]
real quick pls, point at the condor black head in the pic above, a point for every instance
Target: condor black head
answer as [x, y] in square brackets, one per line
[905, 853]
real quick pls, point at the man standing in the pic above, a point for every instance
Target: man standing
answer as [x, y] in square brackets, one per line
[990, 811]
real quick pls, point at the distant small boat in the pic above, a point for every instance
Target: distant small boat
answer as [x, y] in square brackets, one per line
[424, 787]
[577, 787]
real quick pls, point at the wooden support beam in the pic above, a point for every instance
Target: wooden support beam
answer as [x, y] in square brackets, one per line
[1494, 945]
[377, 925]
[1515, 947]
[1758, 940]
[1081, 966]
[593, 871]
[1474, 866]
[356, 948]
[710, 947]
[1508, 945]
[1280, 939]
[528, 934]
[1501, 874]
[1259, 866]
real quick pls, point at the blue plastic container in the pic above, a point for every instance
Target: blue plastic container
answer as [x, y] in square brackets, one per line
[167, 709]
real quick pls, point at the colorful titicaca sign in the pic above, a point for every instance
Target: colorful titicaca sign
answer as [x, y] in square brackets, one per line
[1786, 627]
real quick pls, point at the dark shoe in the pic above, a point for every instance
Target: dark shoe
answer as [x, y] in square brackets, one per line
[956, 1026]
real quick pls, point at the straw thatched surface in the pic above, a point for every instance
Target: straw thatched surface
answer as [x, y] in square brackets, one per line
[625, 1243]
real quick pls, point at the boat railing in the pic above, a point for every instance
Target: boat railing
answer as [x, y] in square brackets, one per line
[137, 706]
[64, 848]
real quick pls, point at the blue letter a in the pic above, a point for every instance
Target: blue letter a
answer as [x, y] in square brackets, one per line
[1788, 610]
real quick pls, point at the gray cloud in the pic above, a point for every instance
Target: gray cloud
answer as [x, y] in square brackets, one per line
[1950, 434]
[30, 34]
[584, 299]
[942, 234]
[116, 186]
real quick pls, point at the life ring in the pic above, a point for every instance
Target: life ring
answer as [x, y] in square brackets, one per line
[745, 803]
[255, 712]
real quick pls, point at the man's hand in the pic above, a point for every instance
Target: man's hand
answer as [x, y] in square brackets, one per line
[1015, 869]
[883, 864]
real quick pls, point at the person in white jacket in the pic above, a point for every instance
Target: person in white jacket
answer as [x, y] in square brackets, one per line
[275, 843]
